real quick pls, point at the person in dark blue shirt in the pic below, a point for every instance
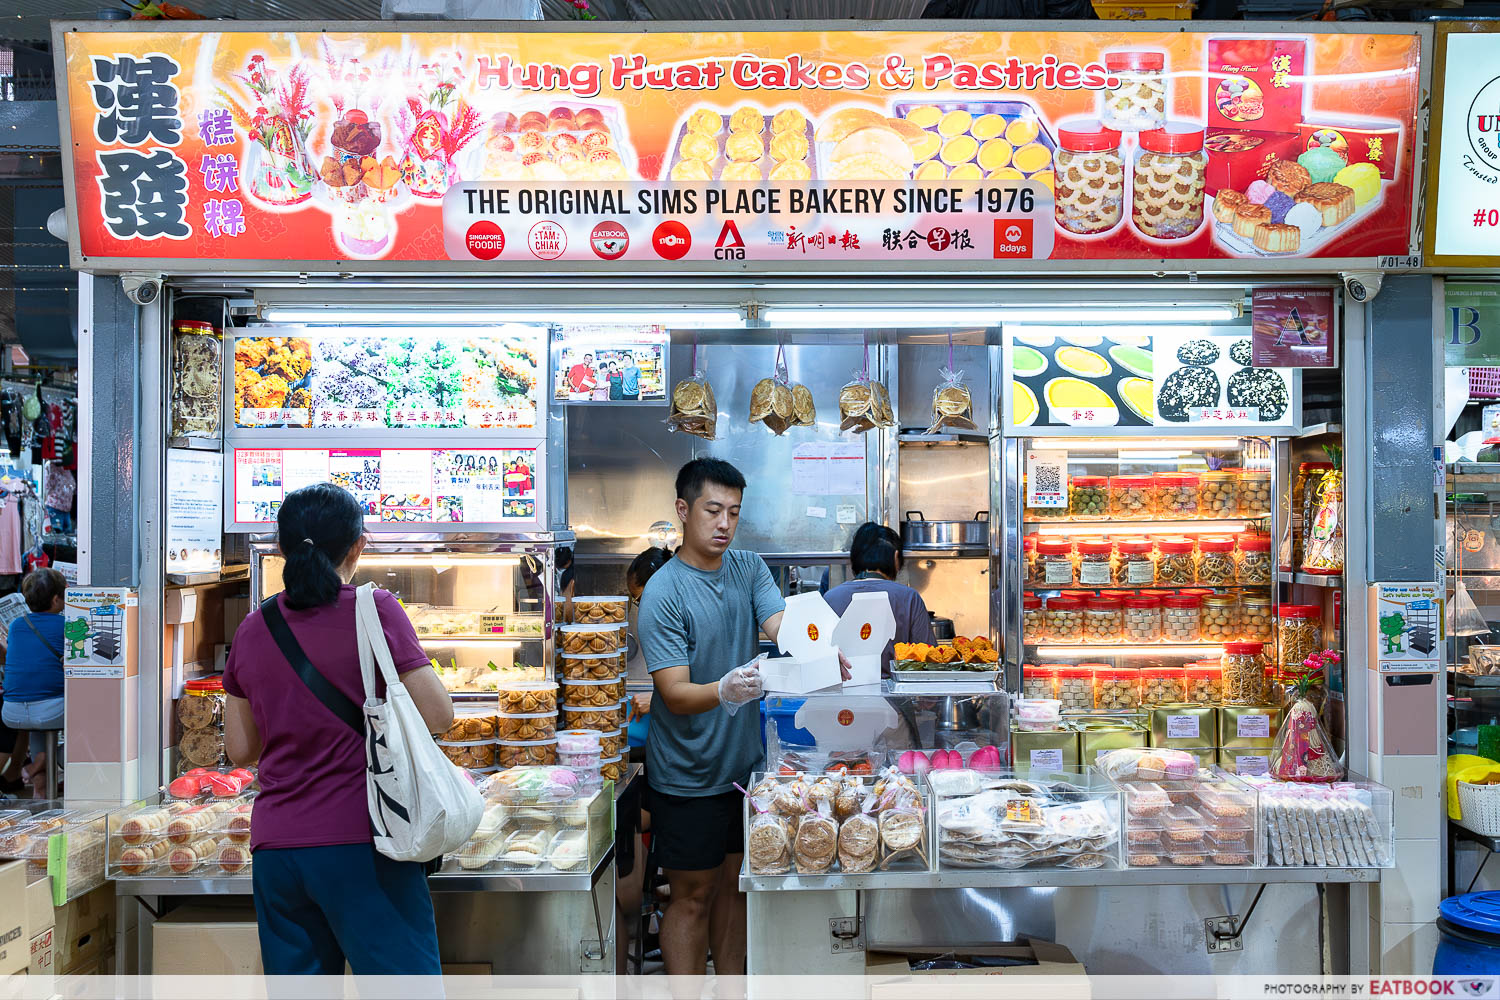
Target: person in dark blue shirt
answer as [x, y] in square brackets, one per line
[34, 663]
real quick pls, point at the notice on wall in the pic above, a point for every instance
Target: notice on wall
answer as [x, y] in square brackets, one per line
[94, 634]
[616, 364]
[1292, 328]
[828, 468]
[1408, 626]
[195, 512]
[1047, 479]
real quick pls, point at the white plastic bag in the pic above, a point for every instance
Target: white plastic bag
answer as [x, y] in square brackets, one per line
[422, 805]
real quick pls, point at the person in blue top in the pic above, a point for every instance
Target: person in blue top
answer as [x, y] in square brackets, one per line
[630, 381]
[34, 663]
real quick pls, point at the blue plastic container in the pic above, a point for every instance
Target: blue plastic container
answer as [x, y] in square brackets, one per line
[784, 712]
[1469, 941]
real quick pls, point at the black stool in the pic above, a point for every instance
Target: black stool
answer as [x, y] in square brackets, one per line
[50, 739]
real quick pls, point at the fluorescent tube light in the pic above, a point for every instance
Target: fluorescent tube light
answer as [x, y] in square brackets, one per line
[1127, 529]
[1128, 448]
[436, 640]
[707, 318]
[1106, 652]
[851, 317]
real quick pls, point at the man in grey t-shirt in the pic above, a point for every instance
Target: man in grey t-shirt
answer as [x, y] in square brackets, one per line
[700, 618]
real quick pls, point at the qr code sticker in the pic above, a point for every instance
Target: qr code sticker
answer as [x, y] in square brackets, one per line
[1048, 479]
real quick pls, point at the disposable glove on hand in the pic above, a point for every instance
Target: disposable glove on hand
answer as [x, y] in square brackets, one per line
[740, 686]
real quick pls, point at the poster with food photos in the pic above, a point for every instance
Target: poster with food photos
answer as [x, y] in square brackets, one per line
[1186, 379]
[437, 489]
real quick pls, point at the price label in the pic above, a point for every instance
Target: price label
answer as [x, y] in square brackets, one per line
[1021, 811]
[1252, 765]
[1223, 414]
[1051, 760]
[1182, 727]
[1253, 727]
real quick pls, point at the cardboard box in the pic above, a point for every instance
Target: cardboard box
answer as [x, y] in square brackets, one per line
[1358, 141]
[41, 921]
[206, 941]
[15, 936]
[862, 633]
[85, 929]
[1256, 83]
[1035, 958]
[1237, 158]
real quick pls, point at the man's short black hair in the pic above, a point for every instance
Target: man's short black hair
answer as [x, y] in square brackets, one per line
[692, 477]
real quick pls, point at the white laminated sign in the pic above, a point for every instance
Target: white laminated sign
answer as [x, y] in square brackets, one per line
[862, 633]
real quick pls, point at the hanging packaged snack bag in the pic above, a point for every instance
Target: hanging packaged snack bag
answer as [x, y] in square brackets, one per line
[952, 406]
[694, 409]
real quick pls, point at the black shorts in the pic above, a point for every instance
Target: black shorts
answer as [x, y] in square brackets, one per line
[695, 834]
[7, 734]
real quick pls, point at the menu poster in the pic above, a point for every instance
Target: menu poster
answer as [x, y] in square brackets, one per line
[609, 364]
[1292, 328]
[459, 486]
[195, 512]
[487, 378]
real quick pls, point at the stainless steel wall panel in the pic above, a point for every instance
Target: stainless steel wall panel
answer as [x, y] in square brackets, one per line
[109, 409]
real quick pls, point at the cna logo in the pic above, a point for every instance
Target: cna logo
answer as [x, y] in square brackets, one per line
[609, 240]
[671, 240]
[729, 245]
[1013, 238]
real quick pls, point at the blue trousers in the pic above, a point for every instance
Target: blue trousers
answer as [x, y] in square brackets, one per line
[318, 906]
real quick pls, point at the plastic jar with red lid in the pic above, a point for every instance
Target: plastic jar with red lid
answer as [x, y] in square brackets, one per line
[1137, 562]
[1254, 493]
[1064, 619]
[1028, 553]
[1181, 619]
[1032, 619]
[1116, 690]
[1176, 564]
[1088, 497]
[1095, 562]
[1090, 177]
[1254, 566]
[1205, 683]
[1103, 618]
[1244, 673]
[1039, 680]
[1138, 101]
[1163, 685]
[1075, 688]
[1216, 566]
[1131, 498]
[1142, 620]
[1176, 495]
[1167, 190]
[1299, 634]
[1054, 562]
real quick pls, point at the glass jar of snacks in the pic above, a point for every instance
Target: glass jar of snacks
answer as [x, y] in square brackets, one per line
[1204, 682]
[1216, 566]
[1095, 563]
[1054, 562]
[1299, 634]
[1219, 618]
[1102, 620]
[1163, 685]
[1181, 619]
[1257, 623]
[1244, 673]
[1255, 493]
[1175, 566]
[1137, 562]
[1115, 690]
[1142, 620]
[1304, 502]
[1138, 102]
[1075, 688]
[1090, 177]
[1088, 497]
[1028, 552]
[1176, 495]
[1219, 496]
[1032, 620]
[1167, 193]
[1254, 566]
[1131, 498]
[1039, 680]
[1064, 618]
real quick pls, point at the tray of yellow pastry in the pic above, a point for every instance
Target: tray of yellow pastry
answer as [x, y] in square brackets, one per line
[977, 140]
[747, 144]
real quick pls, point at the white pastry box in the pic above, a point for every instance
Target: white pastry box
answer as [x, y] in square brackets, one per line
[806, 636]
[862, 633]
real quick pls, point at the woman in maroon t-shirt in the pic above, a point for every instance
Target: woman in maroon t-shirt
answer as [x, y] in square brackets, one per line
[323, 894]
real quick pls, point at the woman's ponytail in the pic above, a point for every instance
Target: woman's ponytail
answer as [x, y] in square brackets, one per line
[316, 528]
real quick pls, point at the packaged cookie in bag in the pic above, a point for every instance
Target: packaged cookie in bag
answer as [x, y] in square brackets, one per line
[858, 409]
[804, 411]
[768, 846]
[859, 841]
[772, 401]
[884, 415]
[694, 409]
[197, 378]
[952, 406]
[816, 845]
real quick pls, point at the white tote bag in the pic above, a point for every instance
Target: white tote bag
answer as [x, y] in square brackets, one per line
[421, 804]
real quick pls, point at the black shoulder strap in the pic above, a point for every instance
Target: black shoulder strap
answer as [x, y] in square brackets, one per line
[332, 698]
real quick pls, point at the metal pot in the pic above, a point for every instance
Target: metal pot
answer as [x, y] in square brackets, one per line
[942, 628]
[919, 533]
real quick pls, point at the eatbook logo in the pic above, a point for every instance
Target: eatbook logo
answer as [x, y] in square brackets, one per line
[609, 240]
[1013, 238]
[1484, 124]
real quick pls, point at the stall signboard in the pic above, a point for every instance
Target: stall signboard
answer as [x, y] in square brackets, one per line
[1463, 168]
[1472, 336]
[616, 365]
[383, 380]
[1161, 380]
[763, 148]
[479, 488]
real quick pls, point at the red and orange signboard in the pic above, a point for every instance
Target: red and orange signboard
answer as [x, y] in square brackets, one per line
[737, 149]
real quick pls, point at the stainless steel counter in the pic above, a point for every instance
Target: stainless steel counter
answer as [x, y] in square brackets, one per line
[1030, 878]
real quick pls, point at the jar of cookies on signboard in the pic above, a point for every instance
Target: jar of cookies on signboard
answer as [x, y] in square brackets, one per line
[1138, 101]
[1170, 172]
[1090, 176]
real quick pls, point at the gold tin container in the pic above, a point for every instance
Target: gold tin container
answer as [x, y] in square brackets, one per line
[1183, 727]
[1248, 727]
[1097, 737]
[1245, 761]
[1207, 756]
[1048, 749]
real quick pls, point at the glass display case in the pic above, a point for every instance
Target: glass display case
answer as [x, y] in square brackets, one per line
[61, 839]
[840, 822]
[1029, 818]
[537, 820]
[483, 610]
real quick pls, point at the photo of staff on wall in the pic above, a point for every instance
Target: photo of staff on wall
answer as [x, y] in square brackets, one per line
[611, 366]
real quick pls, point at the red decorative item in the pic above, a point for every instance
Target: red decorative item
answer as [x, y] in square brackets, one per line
[186, 787]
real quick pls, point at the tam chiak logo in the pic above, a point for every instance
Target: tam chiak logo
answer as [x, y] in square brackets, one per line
[1013, 238]
[548, 240]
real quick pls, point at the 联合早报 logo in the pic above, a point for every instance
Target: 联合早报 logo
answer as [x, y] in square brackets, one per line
[1013, 238]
